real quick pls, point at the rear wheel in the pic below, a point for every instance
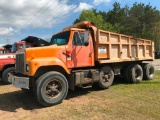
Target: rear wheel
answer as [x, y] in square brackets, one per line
[135, 74]
[5, 74]
[106, 77]
[148, 71]
[126, 72]
[51, 88]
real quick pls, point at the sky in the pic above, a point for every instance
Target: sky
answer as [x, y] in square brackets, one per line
[43, 18]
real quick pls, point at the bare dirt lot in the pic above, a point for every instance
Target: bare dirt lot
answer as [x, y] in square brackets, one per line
[120, 101]
[156, 63]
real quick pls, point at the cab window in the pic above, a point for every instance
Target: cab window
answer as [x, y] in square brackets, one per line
[61, 38]
[22, 46]
[78, 39]
[14, 48]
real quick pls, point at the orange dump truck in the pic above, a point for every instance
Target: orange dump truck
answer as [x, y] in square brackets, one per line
[81, 55]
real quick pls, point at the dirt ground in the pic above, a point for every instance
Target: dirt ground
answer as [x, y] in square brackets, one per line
[17, 105]
[156, 63]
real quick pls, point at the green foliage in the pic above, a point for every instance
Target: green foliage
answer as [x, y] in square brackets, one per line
[156, 35]
[91, 15]
[144, 18]
[140, 20]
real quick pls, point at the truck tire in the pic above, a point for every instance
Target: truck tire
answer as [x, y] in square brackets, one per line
[106, 77]
[0, 75]
[148, 71]
[135, 74]
[126, 72]
[5, 74]
[50, 88]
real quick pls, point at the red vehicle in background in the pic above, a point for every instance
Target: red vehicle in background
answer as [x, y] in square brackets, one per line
[5, 49]
[7, 60]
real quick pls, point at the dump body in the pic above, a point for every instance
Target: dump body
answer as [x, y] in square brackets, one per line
[113, 47]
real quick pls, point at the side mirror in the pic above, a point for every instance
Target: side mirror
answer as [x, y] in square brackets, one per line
[86, 36]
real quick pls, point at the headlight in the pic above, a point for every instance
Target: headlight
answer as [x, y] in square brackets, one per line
[27, 68]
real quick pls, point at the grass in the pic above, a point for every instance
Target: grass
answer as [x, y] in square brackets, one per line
[121, 101]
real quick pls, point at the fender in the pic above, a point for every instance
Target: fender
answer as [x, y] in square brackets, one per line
[4, 63]
[40, 62]
[6, 59]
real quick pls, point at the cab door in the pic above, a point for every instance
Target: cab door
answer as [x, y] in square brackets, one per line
[81, 53]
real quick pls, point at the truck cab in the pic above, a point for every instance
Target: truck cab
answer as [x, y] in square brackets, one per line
[74, 47]
[20, 45]
[5, 49]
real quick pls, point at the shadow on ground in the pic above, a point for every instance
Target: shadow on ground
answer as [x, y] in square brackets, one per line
[82, 91]
[19, 99]
[2, 83]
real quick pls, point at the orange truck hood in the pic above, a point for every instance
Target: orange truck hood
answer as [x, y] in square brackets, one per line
[46, 56]
[45, 52]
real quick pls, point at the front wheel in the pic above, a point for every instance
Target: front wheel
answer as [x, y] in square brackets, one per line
[5, 74]
[51, 88]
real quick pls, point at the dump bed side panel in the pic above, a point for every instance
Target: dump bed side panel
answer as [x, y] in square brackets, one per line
[113, 47]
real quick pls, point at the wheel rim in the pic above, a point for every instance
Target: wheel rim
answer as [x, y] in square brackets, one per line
[11, 71]
[106, 75]
[53, 89]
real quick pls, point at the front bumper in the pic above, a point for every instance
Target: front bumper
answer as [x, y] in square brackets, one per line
[20, 82]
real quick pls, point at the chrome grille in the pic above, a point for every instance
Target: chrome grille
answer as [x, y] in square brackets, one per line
[20, 62]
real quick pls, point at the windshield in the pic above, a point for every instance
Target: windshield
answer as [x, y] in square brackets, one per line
[1, 51]
[60, 39]
[21, 46]
[6, 51]
[14, 48]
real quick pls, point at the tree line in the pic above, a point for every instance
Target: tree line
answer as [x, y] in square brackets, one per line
[140, 21]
